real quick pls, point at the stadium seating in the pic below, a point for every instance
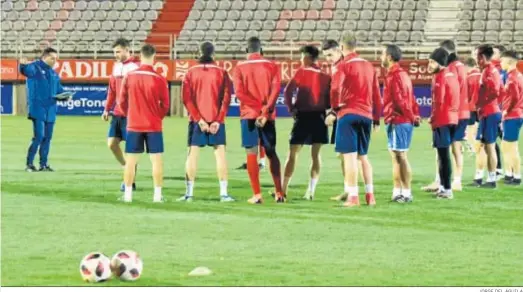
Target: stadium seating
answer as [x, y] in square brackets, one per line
[494, 21]
[88, 25]
[300, 21]
[75, 25]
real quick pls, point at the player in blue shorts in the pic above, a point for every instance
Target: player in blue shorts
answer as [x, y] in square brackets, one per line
[512, 117]
[401, 113]
[357, 105]
[118, 125]
[206, 94]
[444, 116]
[490, 90]
[145, 100]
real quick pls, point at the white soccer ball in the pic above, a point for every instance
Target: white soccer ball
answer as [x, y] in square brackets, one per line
[95, 267]
[127, 265]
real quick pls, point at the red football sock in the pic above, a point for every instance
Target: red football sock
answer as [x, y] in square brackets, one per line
[254, 173]
[276, 173]
[262, 151]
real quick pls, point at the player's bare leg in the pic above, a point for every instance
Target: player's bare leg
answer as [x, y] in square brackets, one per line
[405, 175]
[314, 171]
[471, 138]
[481, 163]
[396, 174]
[157, 163]
[457, 152]
[343, 195]
[253, 169]
[128, 176]
[290, 164]
[516, 163]
[366, 170]
[492, 161]
[351, 179]
[221, 170]
[191, 165]
[512, 162]
[435, 185]
[114, 144]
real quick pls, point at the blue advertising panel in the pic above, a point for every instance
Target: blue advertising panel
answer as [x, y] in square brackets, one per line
[89, 99]
[6, 92]
[423, 96]
[281, 109]
[421, 92]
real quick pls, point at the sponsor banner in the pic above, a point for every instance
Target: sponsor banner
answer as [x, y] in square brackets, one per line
[422, 94]
[8, 69]
[89, 100]
[82, 70]
[7, 98]
[100, 70]
[281, 109]
[417, 69]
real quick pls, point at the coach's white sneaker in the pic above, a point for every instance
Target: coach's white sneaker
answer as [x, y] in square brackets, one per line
[309, 196]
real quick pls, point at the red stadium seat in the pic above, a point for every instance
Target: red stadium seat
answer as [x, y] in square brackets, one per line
[286, 14]
[282, 24]
[329, 4]
[298, 14]
[326, 14]
[313, 14]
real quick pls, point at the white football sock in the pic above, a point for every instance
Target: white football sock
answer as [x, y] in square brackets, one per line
[491, 177]
[223, 188]
[499, 170]
[406, 193]
[157, 194]
[517, 176]
[352, 191]
[128, 194]
[396, 192]
[457, 179]
[189, 186]
[479, 174]
[509, 173]
[369, 189]
[312, 185]
[436, 179]
[262, 161]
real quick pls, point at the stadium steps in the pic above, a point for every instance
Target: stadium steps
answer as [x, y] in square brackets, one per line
[442, 20]
[170, 21]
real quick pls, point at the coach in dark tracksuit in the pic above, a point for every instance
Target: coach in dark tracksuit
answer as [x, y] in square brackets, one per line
[43, 84]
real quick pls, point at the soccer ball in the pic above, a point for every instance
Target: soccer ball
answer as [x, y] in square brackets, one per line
[95, 267]
[127, 265]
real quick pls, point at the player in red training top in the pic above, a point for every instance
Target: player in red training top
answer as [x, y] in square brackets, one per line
[117, 129]
[401, 114]
[206, 94]
[145, 100]
[333, 55]
[512, 117]
[490, 90]
[357, 105]
[473, 78]
[307, 98]
[257, 83]
[444, 117]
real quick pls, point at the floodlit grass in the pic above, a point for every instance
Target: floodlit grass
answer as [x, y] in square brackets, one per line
[51, 220]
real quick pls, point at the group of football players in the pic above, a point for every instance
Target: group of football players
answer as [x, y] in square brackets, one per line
[487, 89]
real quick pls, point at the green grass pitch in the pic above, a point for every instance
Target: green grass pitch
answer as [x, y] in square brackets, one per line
[51, 220]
